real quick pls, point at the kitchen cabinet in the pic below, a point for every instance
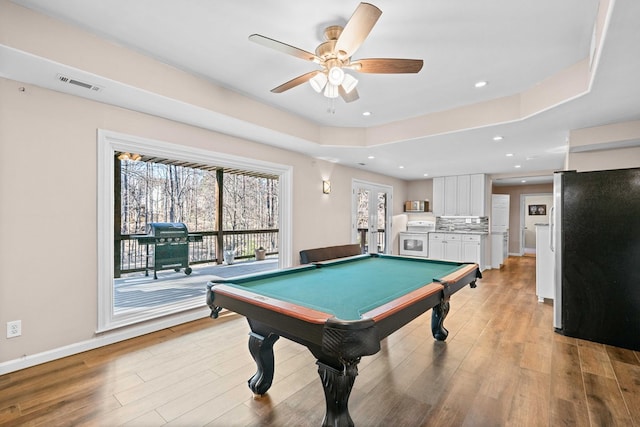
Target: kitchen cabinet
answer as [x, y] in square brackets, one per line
[453, 247]
[460, 247]
[438, 197]
[436, 245]
[462, 195]
[446, 246]
[478, 193]
[473, 249]
[451, 195]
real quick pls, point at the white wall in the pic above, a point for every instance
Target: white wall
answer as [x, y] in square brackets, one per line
[48, 265]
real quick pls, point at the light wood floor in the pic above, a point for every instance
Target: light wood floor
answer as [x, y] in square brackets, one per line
[502, 365]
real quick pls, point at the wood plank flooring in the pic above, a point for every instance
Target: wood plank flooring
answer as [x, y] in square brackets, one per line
[502, 365]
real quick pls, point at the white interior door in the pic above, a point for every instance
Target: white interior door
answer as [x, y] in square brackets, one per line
[371, 216]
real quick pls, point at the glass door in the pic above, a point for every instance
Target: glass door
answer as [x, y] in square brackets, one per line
[371, 216]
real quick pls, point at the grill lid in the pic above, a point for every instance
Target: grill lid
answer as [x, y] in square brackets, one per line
[167, 229]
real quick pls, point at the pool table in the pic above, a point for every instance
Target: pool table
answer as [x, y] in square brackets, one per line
[339, 310]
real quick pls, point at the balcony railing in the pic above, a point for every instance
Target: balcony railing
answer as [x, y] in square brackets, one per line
[362, 239]
[242, 243]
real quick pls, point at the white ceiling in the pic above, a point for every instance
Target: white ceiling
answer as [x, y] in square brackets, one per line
[514, 45]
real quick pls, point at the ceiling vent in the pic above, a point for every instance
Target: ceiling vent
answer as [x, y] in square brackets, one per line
[72, 81]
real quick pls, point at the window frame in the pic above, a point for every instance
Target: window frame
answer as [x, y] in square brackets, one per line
[108, 143]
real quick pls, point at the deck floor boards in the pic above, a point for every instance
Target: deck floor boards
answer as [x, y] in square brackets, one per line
[136, 290]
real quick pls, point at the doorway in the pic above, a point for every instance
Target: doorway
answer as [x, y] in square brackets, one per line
[534, 209]
[371, 217]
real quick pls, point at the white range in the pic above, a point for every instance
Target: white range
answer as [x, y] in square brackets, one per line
[415, 241]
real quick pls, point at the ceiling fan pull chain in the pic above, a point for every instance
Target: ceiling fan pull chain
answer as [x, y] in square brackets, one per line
[331, 105]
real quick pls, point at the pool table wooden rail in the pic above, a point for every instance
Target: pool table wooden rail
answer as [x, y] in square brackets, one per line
[460, 278]
[288, 308]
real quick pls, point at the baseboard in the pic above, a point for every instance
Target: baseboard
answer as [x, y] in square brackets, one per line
[102, 340]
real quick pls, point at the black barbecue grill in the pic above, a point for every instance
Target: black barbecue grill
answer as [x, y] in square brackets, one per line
[170, 246]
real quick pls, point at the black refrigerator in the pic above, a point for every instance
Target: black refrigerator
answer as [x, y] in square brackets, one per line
[595, 228]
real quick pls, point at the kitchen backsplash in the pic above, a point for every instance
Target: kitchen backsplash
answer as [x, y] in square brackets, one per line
[462, 223]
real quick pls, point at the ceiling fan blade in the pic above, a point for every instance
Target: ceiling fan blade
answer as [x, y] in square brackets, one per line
[295, 82]
[387, 65]
[357, 29]
[348, 97]
[284, 48]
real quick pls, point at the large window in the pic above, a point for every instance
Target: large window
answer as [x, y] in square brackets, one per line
[229, 203]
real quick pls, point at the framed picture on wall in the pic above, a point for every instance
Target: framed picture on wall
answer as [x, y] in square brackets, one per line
[537, 209]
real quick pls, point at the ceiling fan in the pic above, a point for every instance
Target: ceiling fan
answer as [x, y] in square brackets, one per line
[334, 56]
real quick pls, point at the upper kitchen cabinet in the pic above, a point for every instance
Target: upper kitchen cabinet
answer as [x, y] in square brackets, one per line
[438, 197]
[462, 195]
[478, 195]
[450, 195]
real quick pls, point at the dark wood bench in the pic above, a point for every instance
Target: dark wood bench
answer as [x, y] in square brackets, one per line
[308, 256]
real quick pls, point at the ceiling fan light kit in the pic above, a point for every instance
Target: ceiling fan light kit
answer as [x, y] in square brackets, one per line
[349, 83]
[331, 91]
[318, 82]
[334, 55]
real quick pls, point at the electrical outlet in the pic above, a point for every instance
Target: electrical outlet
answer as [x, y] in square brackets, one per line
[14, 328]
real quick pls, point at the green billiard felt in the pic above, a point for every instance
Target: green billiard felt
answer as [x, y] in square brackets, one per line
[349, 288]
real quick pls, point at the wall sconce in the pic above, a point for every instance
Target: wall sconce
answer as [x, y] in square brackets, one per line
[326, 187]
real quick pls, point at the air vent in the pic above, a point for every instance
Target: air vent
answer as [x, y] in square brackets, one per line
[75, 82]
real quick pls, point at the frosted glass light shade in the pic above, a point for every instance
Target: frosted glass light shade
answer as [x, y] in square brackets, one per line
[336, 76]
[331, 91]
[349, 83]
[318, 81]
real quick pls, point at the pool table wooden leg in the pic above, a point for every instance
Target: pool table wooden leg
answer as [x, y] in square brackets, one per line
[337, 384]
[438, 314]
[261, 349]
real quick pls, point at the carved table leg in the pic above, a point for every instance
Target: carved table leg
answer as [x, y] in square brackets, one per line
[261, 349]
[438, 314]
[337, 386]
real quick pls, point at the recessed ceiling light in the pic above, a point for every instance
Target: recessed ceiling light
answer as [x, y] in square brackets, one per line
[401, 167]
[523, 181]
[517, 166]
[498, 138]
[481, 84]
[426, 174]
[366, 113]
[509, 154]
[371, 157]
